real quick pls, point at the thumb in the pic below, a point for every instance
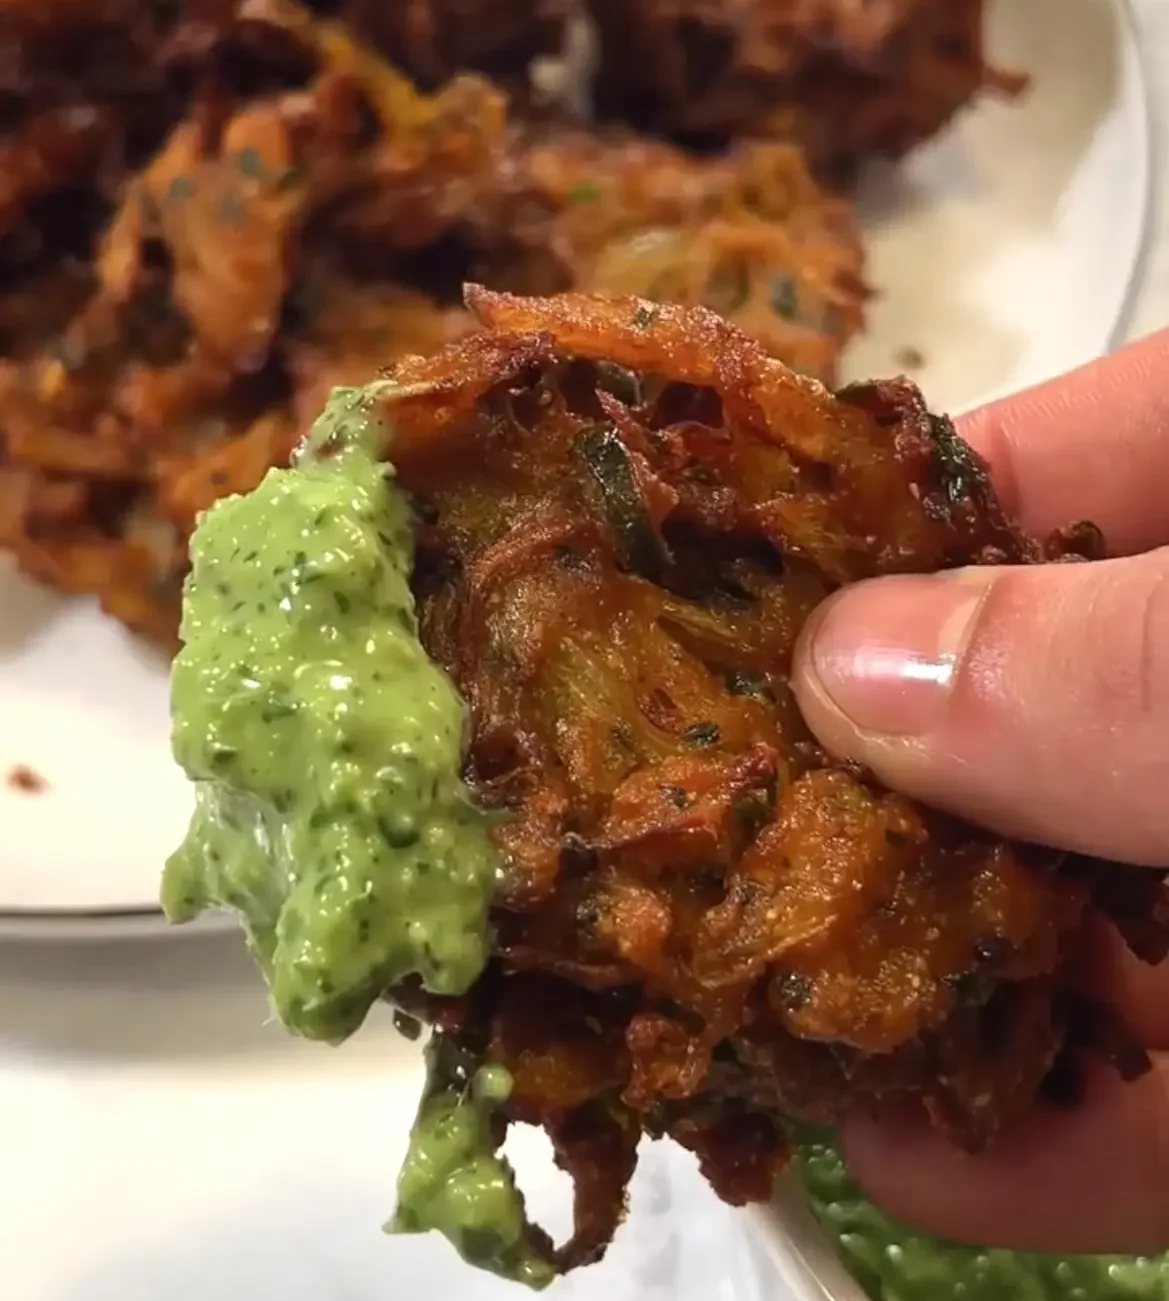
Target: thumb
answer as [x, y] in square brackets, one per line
[1032, 700]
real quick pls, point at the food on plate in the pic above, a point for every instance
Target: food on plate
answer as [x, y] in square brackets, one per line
[895, 1264]
[300, 628]
[846, 81]
[434, 40]
[486, 701]
[234, 210]
[748, 234]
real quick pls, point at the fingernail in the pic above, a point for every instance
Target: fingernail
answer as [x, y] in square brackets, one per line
[886, 652]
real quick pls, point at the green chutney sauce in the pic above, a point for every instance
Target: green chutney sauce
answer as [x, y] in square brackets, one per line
[893, 1263]
[453, 1181]
[326, 751]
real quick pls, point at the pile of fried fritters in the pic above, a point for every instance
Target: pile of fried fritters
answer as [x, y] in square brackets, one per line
[211, 212]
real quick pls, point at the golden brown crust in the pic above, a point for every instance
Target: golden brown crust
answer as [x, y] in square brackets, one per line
[434, 40]
[707, 928]
[844, 81]
[237, 204]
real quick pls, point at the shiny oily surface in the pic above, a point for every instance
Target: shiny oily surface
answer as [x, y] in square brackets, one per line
[324, 745]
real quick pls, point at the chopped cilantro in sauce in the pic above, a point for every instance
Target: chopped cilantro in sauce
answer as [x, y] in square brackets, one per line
[324, 745]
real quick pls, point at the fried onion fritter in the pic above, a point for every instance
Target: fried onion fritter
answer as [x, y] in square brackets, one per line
[845, 81]
[748, 234]
[195, 253]
[708, 928]
[434, 40]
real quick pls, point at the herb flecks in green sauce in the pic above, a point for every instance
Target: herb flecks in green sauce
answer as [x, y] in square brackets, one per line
[454, 1181]
[325, 746]
[326, 750]
[893, 1263]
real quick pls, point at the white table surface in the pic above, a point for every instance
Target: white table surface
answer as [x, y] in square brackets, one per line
[161, 1141]
[125, 1065]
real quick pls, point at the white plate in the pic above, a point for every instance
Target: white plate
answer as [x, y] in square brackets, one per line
[1007, 250]
[1004, 252]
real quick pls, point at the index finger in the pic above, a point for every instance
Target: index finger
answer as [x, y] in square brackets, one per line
[1090, 445]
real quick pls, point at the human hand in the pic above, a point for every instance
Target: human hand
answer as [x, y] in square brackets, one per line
[1034, 701]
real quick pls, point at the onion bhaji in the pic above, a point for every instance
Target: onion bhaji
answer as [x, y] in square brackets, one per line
[434, 40]
[844, 80]
[706, 926]
[195, 253]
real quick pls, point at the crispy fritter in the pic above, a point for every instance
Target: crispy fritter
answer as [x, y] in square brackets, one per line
[748, 234]
[843, 80]
[434, 40]
[195, 253]
[708, 927]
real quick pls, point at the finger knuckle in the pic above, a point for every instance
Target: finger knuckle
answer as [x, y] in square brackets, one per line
[1153, 654]
[1125, 642]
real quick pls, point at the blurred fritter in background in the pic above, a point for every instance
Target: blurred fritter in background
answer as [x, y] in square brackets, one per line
[211, 211]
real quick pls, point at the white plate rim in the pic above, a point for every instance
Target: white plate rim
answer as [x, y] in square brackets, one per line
[1154, 114]
[84, 924]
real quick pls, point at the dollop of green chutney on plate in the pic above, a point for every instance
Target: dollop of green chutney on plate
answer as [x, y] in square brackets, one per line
[894, 1263]
[326, 750]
